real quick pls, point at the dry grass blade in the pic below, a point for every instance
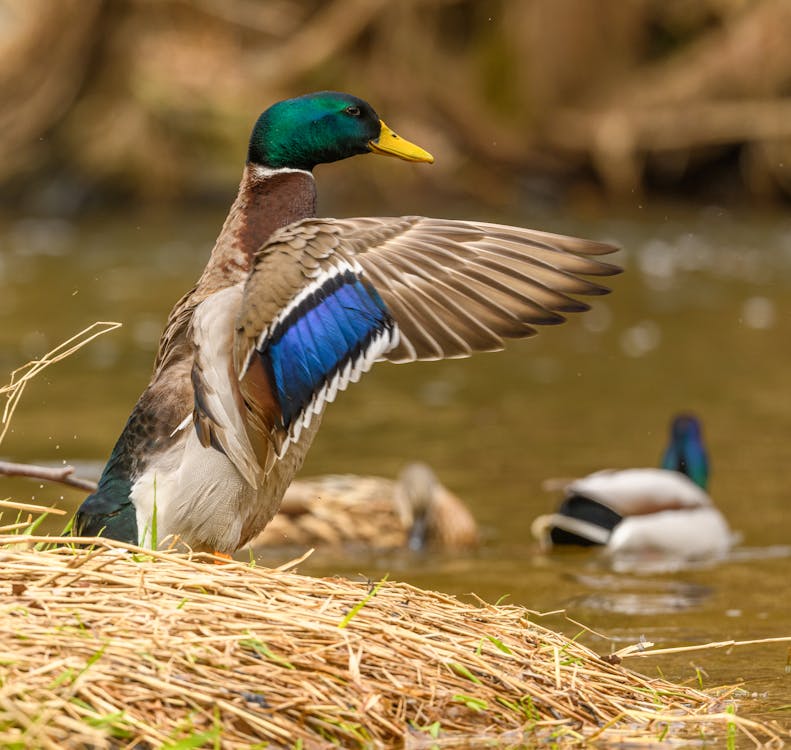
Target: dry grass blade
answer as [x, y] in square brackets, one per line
[23, 375]
[112, 645]
[32, 507]
[647, 651]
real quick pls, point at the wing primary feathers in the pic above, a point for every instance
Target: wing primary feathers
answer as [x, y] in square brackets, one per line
[462, 280]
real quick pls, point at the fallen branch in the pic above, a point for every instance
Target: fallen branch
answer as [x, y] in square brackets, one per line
[49, 474]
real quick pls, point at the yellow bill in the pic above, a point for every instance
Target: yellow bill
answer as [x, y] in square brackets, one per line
[390, 144]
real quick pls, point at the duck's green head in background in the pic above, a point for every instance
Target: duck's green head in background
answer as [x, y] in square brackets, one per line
[324, 127]
[686, 452]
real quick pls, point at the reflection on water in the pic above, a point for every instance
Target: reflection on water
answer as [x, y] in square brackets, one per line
[640, 602]
[700, 321]
[639, 596]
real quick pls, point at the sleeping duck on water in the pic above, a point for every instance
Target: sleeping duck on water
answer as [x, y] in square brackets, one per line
[637, 511]
[290, 309]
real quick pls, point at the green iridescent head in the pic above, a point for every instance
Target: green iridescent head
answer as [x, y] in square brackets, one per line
[686, 452]
[324, 127]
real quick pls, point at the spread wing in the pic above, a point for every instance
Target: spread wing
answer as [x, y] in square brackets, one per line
[327, 298]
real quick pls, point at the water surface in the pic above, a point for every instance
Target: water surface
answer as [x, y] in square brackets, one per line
[701, 321]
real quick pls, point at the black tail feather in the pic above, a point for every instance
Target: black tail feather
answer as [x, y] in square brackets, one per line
[584, 509]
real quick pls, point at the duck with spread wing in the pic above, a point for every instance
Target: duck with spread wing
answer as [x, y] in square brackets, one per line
[290, 309]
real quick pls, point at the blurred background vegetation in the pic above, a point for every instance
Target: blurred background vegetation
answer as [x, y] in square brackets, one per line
[153, 100]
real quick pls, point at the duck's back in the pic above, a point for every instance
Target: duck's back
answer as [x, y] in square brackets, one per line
[631, 492]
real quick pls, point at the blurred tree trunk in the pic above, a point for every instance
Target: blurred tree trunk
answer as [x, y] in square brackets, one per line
[729, 86]
[45, 51]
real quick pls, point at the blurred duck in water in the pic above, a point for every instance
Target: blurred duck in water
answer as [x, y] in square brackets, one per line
[642, 511]
[415, 511]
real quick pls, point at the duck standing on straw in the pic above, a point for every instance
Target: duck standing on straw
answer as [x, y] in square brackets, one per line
[290, 309]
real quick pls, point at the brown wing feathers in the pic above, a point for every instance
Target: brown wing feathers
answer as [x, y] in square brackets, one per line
[319, 306]
[455, 287]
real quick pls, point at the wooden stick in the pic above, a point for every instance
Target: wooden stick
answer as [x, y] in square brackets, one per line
[49, 474]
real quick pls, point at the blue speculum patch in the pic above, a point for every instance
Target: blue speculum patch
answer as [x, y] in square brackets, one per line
[333, 325]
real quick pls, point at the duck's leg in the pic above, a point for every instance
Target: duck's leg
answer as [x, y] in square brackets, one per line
[225, 558]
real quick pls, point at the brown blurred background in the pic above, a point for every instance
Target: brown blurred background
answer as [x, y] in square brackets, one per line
[153, 100]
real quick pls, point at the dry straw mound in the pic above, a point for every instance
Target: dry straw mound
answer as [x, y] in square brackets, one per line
[107, 648]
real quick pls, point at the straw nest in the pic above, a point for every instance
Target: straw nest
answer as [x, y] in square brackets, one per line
[106, 648]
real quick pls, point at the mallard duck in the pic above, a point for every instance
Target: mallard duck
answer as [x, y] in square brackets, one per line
[290, 309]
[637, 511]
[347, 510]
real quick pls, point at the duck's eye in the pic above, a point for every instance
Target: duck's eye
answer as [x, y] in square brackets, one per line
[353, 110]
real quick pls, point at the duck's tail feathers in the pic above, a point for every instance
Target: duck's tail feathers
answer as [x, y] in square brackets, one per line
[581, 521]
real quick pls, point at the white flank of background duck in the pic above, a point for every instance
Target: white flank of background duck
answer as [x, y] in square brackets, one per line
[635, 512]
